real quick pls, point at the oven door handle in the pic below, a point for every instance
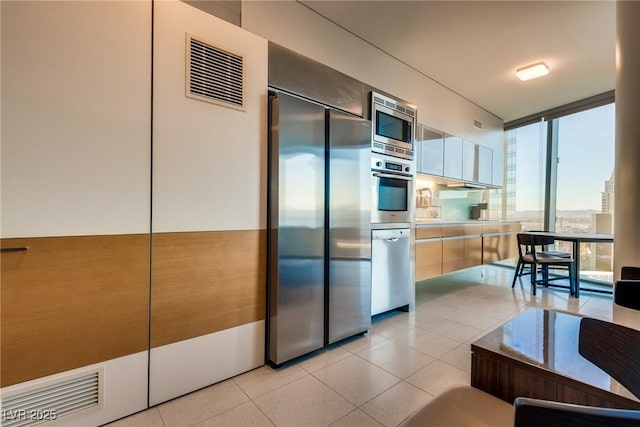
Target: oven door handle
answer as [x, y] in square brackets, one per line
[386, 175]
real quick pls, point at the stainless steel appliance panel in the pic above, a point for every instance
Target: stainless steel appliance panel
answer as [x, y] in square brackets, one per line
[391, 285]
[349, 290]
[297, 219]
[303, 76]
[392, 190]
[393, 127]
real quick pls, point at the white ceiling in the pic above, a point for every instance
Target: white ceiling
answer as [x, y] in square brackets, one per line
[475, 47]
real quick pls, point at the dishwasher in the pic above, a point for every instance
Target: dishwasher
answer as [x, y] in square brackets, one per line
[390, 264]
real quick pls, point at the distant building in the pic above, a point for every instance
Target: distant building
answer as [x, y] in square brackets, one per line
[603, 224]
[607, 196]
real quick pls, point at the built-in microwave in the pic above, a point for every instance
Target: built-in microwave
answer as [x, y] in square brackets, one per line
[393, 124]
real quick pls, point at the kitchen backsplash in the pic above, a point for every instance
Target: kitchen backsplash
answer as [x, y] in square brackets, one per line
[456, 204]
[437, 201]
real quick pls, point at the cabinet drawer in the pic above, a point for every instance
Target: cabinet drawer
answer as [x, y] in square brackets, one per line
[428, 232]
[454, 230]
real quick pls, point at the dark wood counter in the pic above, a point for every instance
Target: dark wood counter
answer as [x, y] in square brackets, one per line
[537, 355]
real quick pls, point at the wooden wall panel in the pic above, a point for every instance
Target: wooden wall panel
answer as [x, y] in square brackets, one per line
[204, 282]
[69, 302]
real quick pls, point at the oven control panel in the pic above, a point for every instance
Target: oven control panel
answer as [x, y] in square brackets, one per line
[381, 164]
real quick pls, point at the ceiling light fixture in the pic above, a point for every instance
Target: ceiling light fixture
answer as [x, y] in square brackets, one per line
[532, 71]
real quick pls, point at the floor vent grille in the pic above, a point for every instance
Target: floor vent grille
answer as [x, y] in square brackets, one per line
[214, 75]
[53, 401]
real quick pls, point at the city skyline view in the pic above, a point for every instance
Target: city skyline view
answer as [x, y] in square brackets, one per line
[584, 188]
[586, 151]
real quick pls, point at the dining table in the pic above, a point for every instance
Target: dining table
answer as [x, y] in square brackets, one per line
[576, 239]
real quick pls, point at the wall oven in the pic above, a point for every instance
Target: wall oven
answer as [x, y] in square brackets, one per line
[392, 190]
[393, 124]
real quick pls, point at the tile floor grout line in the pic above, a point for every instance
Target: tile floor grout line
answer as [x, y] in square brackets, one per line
[492, 292]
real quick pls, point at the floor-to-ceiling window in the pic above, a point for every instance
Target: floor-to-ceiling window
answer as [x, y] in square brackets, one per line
[525, 186]
[584, 184]
[559, 176]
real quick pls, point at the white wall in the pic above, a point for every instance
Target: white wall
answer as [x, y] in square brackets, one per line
[75, 118]
[209, 174]
[296, 27]
[208, 160]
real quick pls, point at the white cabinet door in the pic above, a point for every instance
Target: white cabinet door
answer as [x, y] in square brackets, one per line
[485, 168]
[430, 151]
[452, 157]
[469, 164]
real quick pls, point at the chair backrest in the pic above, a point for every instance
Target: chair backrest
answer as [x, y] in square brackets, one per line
[524, 242]
[535, 413]
[630, 273]
[527, 242]
[613, 348]
[542, 240]
[626, 293]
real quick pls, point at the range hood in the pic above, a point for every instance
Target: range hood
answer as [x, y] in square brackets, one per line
[467, 186]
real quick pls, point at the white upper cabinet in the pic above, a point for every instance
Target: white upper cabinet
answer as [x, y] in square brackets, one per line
[441, 154]
[469, 164]
[452, 157]
[484, 165]
[430, 146]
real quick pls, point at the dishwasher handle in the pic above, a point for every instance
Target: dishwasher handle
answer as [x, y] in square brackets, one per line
[390, 235]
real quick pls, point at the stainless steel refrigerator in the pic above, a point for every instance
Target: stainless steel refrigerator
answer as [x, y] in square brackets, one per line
[319, 244]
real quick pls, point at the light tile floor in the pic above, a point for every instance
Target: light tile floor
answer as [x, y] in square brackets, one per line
[380, 378]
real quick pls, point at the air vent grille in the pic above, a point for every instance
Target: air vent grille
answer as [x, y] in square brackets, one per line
[477, 124]
[52, 401]
[214, 75]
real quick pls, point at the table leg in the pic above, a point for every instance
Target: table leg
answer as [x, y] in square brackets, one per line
[576, 272]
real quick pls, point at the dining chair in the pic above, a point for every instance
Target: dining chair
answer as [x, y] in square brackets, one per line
[466, 406]
[630, 273]
[531, 252]
[523, 270]
[535, 413]
[613, 348]
[626, 292]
